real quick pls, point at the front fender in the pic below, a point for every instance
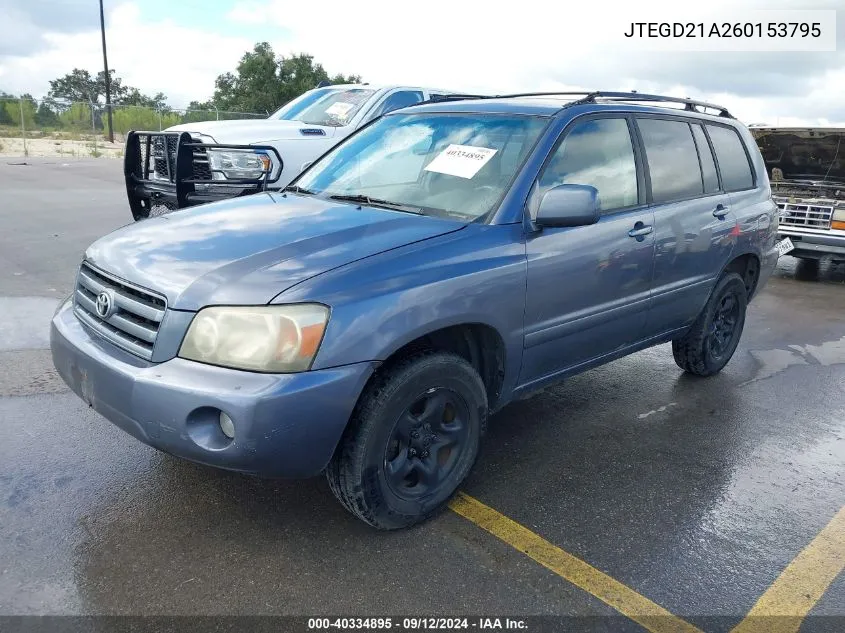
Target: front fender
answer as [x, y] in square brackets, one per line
[382, 303]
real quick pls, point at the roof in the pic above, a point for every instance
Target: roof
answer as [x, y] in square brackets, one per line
[550, 106]
[392, 87]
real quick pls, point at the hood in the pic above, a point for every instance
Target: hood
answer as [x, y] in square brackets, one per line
[805, 154]
[245, 131]
[245, 251]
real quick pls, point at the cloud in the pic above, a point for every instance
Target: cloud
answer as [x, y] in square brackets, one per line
[462, 45]
[24, 24]
[180, 61]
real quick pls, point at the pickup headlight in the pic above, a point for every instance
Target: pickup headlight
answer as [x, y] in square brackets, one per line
[235, 164]
[275, 339]
[838, 219]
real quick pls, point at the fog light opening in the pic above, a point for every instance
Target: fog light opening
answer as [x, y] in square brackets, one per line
[227, 426]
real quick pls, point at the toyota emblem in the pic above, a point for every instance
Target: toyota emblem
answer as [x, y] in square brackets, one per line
[105, 304]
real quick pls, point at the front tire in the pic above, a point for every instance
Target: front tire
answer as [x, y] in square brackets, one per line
[711, 342]
[411, 441]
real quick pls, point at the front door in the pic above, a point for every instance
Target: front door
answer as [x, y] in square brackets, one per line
[588, 287]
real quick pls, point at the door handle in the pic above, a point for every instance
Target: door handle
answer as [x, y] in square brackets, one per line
[640, 230]
[720, 211]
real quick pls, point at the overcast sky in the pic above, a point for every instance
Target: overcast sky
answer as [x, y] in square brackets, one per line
[179, 47]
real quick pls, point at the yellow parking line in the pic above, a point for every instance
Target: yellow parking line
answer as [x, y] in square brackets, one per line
[800, 586]
[625, 600]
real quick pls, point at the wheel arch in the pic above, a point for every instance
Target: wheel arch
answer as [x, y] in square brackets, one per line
[746, 265]
[479, 343]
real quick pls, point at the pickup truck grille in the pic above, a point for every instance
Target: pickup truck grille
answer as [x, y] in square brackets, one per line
[134, 315]
[804, 215]
[162, 157]
[202, 170]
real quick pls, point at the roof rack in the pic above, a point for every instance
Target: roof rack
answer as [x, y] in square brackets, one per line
[690, 105]
[455, 97]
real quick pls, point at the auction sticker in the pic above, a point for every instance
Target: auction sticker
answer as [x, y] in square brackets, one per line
[462, 161]
[339, 108]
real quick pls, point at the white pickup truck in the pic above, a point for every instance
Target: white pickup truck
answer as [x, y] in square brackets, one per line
[193, 163]
[807, 172]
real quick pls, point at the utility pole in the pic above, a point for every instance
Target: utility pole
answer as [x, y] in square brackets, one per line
[106, 68]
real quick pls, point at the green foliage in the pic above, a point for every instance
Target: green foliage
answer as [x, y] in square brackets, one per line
[47, 114]
[76, 117]
[79, 85]
[127, 119]
[14, 109]
[262, 82]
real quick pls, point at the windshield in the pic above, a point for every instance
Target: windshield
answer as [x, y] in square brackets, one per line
[325, 106]
[436, 164]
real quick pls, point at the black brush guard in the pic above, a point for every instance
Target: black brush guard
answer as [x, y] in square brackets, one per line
[172, 170]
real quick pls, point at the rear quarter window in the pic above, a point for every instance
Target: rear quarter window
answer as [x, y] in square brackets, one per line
[732, 158]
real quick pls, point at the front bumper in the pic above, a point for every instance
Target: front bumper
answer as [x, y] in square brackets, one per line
[815, 245]
[286, 425]
[172, 169]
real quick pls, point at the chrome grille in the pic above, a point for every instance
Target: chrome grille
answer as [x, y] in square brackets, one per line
[136, 315]
[804, 215]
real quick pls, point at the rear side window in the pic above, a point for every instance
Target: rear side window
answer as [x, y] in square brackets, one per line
[708, 166]
[597, 152]
[733, 161]
[672, 159]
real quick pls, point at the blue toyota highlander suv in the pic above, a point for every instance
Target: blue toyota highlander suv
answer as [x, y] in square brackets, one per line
[441, 262]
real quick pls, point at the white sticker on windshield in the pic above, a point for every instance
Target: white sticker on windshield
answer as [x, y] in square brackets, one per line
[462, 161]
[339, 108]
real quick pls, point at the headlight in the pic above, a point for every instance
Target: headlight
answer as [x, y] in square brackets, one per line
[276, 339]
[838, 219]
[234, 164]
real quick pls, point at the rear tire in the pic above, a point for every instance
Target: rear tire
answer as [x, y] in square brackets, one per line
[712, 340]
[411, 441]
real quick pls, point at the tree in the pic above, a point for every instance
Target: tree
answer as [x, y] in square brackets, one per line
[5, 98]
[77, 85]
[25, 106]
[47, 114]
[262, 82]
[77, 116]
[134, 97]
[80, 85]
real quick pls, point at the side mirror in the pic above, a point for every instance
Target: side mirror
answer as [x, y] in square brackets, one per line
[569, 205]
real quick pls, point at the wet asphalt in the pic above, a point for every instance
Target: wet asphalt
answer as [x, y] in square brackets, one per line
[694, 492]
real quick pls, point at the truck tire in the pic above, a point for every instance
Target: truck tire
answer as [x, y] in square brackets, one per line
[712, 340]
[411, 441]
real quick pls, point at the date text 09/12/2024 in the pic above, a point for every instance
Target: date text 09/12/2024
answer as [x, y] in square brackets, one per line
[417, 624]
[724, 29]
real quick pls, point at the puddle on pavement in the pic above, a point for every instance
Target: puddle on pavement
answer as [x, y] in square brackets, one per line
[774, 361]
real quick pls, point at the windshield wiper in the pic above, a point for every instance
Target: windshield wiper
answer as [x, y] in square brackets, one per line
[377, 202]
[298, 189]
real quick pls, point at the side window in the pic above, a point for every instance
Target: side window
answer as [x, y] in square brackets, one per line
[733, 161]
[708, 166]
[599, 153]
[672, 159]
[401, 99]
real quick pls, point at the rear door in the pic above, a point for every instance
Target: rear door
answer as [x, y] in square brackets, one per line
[588, 286]
[693, 224]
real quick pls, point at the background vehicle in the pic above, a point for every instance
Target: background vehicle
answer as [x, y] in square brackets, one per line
[436, 265]
[193, 163]
[807, 171]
